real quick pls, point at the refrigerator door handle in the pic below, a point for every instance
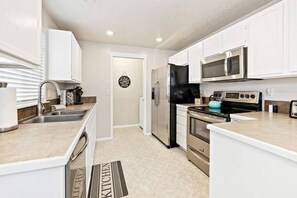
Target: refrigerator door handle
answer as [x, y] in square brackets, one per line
[157, 93]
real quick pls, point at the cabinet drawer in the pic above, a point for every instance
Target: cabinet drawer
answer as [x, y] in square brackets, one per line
[180, 129]
[181, 120]
[181, 141]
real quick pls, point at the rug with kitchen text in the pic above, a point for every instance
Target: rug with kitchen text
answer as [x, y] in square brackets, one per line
[108, 181]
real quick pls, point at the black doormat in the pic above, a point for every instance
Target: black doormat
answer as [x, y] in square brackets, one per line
[108, 181]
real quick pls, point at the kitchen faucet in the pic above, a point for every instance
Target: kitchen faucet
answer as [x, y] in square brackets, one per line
[40, 106]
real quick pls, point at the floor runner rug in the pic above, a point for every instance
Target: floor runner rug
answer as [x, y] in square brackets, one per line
[108, 181]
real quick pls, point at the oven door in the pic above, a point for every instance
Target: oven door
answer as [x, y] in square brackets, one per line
[198, 134]
[76, 170]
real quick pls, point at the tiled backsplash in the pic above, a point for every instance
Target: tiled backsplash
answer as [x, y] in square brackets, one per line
[282, 106]
[29, 112]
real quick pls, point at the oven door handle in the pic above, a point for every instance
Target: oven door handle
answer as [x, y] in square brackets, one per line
[205, 118]
[84, 135]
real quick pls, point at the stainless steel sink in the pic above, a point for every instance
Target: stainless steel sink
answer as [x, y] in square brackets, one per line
[54, 118]
[68, 112]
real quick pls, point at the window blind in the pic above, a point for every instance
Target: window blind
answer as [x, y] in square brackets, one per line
[26, 81]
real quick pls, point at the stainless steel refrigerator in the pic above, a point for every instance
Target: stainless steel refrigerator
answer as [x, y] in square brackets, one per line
[170, 87]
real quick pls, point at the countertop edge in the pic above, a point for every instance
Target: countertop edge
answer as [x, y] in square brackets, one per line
[52, 162]
[254, 142]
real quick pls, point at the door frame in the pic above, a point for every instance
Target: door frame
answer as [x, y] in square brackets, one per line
[143, 57]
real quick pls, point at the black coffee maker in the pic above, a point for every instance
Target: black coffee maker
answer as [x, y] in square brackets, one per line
[77, 93]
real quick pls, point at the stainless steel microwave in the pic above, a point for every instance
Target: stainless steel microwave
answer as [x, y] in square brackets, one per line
[230, 65]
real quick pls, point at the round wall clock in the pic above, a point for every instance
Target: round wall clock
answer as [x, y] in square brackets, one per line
[124, 81]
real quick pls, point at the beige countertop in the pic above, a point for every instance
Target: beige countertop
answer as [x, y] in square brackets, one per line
[273, 132]
[45, 143]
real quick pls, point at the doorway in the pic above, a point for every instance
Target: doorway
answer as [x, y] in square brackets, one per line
[128, 91]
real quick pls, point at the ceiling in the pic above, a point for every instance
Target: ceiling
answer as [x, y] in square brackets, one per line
[139, 22]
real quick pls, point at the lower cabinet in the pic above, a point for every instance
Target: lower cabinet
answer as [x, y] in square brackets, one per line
[48, 182]
[181, 126]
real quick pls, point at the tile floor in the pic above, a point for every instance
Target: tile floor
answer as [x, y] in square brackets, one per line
[151, 170]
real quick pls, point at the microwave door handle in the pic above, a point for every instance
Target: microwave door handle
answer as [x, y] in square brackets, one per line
[226, 66]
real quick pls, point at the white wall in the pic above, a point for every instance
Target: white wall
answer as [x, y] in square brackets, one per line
[126, 100]
[97, 77]
[283, 89]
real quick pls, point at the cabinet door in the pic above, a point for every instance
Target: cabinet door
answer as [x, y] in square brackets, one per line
[212, 45]
[195, 55]
[75, 60]
[291, 8]
[234, 36]
[59, 55]
[20, 34]
[266, 42]
[172, 59]
[182, 58]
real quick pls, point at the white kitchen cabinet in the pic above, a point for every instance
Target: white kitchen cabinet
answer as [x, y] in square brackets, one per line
[181, 58]
[235, 36]
[266, 42]
[195, 55]
[20, 35]
[291, 10]
[172, 59]
[213, 45]
[241, 168]
[181, 126]
[64, 57]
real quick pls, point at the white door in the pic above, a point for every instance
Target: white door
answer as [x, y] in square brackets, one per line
[172, 59]
[75, 60]
[20, 33]
[291, 7]
[182, 58]
[266, 42]
[195, 55]
[234, 36]
[213, 45]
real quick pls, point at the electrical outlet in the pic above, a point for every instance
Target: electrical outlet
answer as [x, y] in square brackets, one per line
[269, 92]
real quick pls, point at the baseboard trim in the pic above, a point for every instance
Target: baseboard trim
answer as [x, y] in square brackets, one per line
[103, 139]
[125, 126]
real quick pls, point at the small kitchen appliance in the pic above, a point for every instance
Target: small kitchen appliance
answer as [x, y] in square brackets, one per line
[8, 106]
[293, 109]
[77, 93]
[198, 136]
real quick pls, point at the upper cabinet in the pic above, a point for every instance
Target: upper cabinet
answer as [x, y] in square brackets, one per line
[64, 61]
[180, 58]
[20, 34]
[291, 9]
[266, 42]
[195, 55]
[235, 36]
[213, 45]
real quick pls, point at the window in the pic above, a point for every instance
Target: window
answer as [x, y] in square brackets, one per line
[26, 81]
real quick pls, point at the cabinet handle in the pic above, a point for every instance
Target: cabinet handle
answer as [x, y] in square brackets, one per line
[84, 135]
[201, 149]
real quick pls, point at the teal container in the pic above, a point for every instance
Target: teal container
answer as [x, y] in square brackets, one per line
[215, 104]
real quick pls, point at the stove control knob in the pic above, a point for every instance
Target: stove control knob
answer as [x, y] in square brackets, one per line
[253, 96]
[247, 96]
[241, 95]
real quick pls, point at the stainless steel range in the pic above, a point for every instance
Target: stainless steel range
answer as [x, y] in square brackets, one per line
[198, 117]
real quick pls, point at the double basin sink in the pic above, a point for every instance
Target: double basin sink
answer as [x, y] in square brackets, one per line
[58, 116]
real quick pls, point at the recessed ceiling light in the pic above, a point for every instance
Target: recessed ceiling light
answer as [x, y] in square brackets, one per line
[159, 39]
[109, 33]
